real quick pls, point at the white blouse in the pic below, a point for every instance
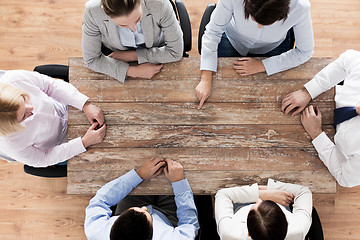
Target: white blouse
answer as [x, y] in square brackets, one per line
[43, 142]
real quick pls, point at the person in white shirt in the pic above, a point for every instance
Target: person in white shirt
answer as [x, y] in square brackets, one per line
[255, 28]
[267, 219]
[34, 115]
[342, 158]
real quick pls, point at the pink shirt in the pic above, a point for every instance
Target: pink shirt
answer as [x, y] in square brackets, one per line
[43, 142]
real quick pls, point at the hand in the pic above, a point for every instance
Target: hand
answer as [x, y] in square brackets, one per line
[357, 108]
[203, 89]
[93, 113]
[125, 56]
[248, 66]
[93, 135]
[311, 121]
[278, 196]
[151, 168]
[297, 101]
[145, 70]
[174, 171]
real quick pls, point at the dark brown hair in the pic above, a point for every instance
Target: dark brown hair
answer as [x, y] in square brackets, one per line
[266, 12]
[267, 222]
[131, 225]
[114, 8]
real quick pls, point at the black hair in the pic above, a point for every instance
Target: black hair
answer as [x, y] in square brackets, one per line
[266, 12]
[131, 225]
[267, 222]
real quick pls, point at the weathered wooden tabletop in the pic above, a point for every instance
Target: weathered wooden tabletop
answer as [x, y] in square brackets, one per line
[239, 137]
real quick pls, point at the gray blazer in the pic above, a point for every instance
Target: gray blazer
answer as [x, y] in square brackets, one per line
[158, 18]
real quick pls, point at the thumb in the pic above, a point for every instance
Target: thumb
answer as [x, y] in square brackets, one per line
[166, 171]
[93, 126]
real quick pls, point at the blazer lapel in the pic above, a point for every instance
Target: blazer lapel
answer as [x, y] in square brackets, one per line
[113, 34]
[147, 26]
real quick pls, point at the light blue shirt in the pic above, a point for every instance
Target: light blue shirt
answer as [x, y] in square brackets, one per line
[98, 220]
[128, 38]
[246, 37]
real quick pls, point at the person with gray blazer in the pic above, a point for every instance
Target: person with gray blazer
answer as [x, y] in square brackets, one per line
[142, 31]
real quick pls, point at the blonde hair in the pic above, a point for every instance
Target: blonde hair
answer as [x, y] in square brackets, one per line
[10, 98]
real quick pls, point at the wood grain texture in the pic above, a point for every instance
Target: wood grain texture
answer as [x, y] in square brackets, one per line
[177, 81]
[188, 114]
[27, 40]
[203, 136]
[207, 159]
[318, 181]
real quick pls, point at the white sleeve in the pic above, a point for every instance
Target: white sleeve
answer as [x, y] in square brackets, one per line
[345, 171]
[224, 200]
[36, 157]
[303, 51]
[59, 90]
[329, 76]
[212, 36]
[302, 208]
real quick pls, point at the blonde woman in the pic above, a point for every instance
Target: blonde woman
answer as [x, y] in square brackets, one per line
[33, 119]
[116, 32]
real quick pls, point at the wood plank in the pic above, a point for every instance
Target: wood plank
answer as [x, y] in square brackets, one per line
[184, 91]
[189, 69]
[188, 114]
[202, 136]
[225, 159]
[318, 181]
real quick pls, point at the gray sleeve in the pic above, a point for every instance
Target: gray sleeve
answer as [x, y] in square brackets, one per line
[173, 49]
[93, 58]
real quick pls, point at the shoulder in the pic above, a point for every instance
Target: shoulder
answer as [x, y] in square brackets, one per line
[94, 6]
[12, 76]
[300, 5]
[153, 6]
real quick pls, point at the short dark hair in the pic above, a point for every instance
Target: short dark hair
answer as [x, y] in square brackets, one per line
[131, 225]
[114, 8]
[267, 222]
[266, 12]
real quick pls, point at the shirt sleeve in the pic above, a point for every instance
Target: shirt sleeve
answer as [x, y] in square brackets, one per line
[98, 213]
[302, 208]
[173, 36]
[186, 212]
[36, 157]
[303, 51]
[220, 18]
[345, 170]
[224, 201]
[329, 76]
[59, 90]
[91, 47]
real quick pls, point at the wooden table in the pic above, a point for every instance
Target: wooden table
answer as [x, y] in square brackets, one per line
[239, 137]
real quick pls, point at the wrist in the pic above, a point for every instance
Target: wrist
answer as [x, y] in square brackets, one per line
[206, 76]
[132, 71]
[86, 104]
[306, 93]
[314, 134]
[85, 142]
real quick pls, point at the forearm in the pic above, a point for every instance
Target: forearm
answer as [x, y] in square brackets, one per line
[42, 158]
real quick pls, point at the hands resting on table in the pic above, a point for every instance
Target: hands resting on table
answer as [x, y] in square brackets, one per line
[153, 167]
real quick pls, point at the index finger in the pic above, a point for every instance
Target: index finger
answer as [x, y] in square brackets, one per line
[202, 100]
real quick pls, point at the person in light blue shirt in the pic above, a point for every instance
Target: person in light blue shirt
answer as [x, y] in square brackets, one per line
[141, 221]
[241, 28]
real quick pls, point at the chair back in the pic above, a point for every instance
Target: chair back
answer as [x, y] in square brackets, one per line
[204, 21]
[315, 231]
[183, 17]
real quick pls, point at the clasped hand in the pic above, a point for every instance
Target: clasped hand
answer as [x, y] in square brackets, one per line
[153, 167]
